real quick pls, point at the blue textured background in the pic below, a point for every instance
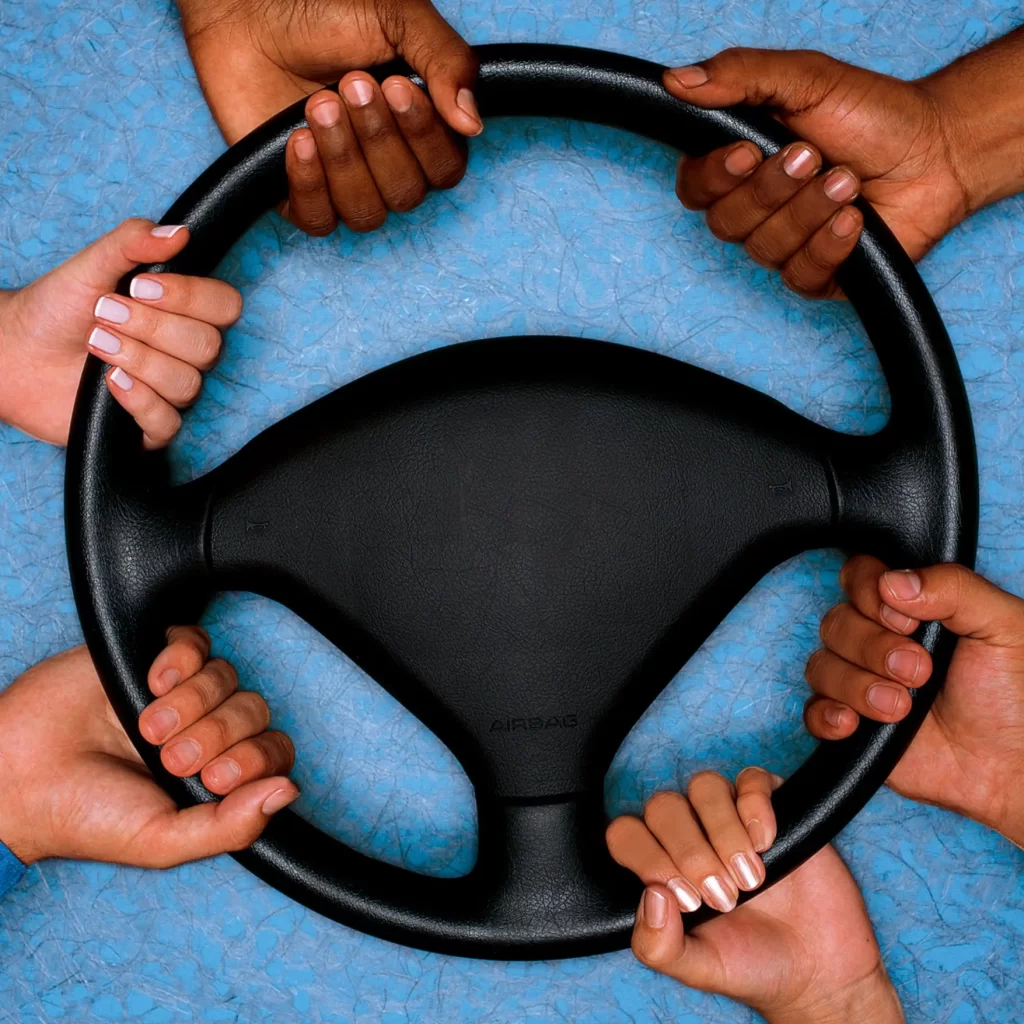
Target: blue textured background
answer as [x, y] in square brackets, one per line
[558, 227]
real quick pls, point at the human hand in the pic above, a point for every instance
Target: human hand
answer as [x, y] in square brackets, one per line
[374, 148]
[969, 753]
[802, 952]
[897, 143]
[157, 342]
[74, 786]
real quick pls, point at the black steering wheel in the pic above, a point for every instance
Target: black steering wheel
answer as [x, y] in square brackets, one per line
[523, 540]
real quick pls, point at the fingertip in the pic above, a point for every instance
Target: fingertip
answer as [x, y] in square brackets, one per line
[461, 113]
[682, 81]
[827, 719]
[847, 223]
[282, 793]
[303, 145]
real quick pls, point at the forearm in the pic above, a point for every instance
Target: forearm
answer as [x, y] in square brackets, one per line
[981, 106]
[872, 1000]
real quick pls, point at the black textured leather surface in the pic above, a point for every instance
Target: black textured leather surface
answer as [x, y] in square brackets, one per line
[524, 541]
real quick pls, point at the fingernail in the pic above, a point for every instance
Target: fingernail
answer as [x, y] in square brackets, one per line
[655, 909]
[169, 679]
[166, 230]
[278, 799]
[326, 113]
[686, 896]
[740, 161]
[799, 162]
[162, 723]
[840, 185]
[399, 95]
[112, 310]
[884, 698]
[358, 92]
[717, 895]
[223, 773]
[690, 76]
[896, 620]
[145, 288]
[834, 716]
[903, 584]
[305, 148]
[466, 102]
[104, 341]
[182, 755]
[844, 223]
[121, 379]
[904, 664]
[746, 870]
[758, 835]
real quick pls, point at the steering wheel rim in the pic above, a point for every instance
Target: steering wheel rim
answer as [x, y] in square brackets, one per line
[543, 886]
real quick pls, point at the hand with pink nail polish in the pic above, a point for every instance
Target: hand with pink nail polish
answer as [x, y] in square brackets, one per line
[157, 340]
[969, 753]
[74, 786]
[370, 150]
[802, 952]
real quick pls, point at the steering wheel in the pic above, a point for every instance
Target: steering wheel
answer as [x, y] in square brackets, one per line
[523, 540]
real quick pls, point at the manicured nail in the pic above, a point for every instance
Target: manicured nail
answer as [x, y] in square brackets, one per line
[168, 680]
[466, 102]
[121, 379]
[686, 896]
[163, 723]
[223, 773]
[884, 698]
[835, 716]
[145, 288]
[844, 223]
[399, 95]
[758, 835]
[326, 113]
[746, 871]
[895, 620]
[799, 162]
[840, 185]
[358, 92]
[112, 310]
[183, 754]
[690, 76]
[278, 799]
[903, 584]
[104, 341]
[305, 147]
[166, 230]
[655, 909]
[740, 161]
[904, 664]
[717, 895]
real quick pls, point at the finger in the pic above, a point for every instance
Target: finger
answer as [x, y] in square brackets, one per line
[673, 823]
[860, 578]
[865, 692]
[784, 233]
[270, 753]
[309, 199]
[754, 788]
[713, 798]
[240, 716]
[829, 719]
[441, 154]
[198, 298]
[192, 341]
[353, 192]
[186, 652]
[632, 845]
[811, 271]
[222, 826]
[399, 177]
[733, 217]
[157, 418]
[858, 640]
[188, 702]
[701, 181]
[173, 380]
[964, 602]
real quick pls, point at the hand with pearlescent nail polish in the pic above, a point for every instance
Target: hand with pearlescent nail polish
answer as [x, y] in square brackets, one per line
[802, 952]
[74, 785]
[969, 753]
[157, 340]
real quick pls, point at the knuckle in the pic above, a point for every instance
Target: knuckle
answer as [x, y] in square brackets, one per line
[815, 663]
[661, 806]
[190, 385]
[407, 195]
[720, 227]
[752, 775]
[617, 832]
[448, 171]
[364, 221]
[762, 252]
[704, 784]
[207, 347]
[829, 622]
[254, 708]
[647, 955]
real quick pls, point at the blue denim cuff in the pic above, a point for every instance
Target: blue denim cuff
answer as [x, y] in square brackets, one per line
[11, 869]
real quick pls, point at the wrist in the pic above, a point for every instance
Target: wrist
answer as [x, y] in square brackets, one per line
[869, 1000]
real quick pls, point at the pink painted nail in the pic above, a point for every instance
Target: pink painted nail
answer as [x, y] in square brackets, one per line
[278, 799]
[690, 76]
[840, 185]
[904, 584]
[799, 162]
[112, 310]
[655, 909]
[166, 230]
[896, 620]
[466, 102]
[904, 664]
[358, 92]
[399, 95]
[717, 894]
[121, 379]
[145, 288]
[105, 342]
[746, 871]
[223, 773]
[686, 896]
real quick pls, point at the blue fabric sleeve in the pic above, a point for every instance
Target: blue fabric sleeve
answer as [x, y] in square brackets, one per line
[11, 869]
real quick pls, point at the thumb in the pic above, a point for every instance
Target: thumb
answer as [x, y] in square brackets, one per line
[436, 51]
[793, 80]
[659, 941]
[964, 602]
[222, 826]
